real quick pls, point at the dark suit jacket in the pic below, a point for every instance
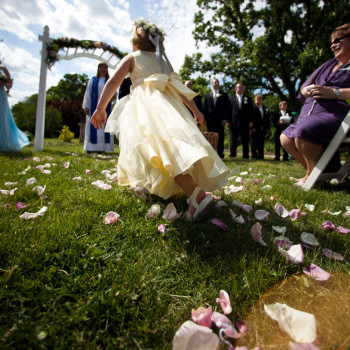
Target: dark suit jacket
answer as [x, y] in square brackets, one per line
[124, 88]
[240, 118]
[261, 123]
[214, 115]
[276, 122]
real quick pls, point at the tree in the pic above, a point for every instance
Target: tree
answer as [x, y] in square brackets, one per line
[272, 48]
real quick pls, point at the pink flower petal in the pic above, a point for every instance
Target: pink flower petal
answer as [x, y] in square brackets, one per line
[100, 184]
[283, 242]
[256, 232]
[295, 253]
[242, 327]
[316, 273]
[111, 217]
[225, 302]
[261, 214]
[294, 214]
[87, 171]
[342, 230]
[162, 228]
[221, 321]
[332, 255]
[219, 223]
[202, 316]
[66, 165]
[170, 213]
[6, 205]
[20, 206]
[154, 211]
[36, 159]
[77, 178]
[328, 225]
[280, 210]
[245, 207]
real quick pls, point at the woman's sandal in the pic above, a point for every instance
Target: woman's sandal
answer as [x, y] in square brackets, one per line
[201, 209]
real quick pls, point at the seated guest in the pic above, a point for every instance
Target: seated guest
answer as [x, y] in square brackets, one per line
[261, 125]
[282, 120]
[325, 93]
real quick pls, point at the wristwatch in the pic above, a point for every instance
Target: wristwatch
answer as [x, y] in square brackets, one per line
[336, 93]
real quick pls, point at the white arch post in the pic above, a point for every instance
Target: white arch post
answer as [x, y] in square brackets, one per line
[41, 104]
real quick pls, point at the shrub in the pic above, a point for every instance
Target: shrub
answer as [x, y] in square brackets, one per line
[66, 135]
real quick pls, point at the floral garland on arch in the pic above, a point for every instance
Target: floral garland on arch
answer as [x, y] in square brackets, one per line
[64, 42]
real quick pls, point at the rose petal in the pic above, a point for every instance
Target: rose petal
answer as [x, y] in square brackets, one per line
[328, 225]
[280, 229]
[31, 181]
[77, 178]
[111, 217]
[20, 206]
[221, 204]
[310, 239]
[170, 213]
[162, 228]
[245, 207]
[192, 336]
[256, 232]
[261, 214]
[221, 321]
[202, 316]
[39, 189]
[295, 253]
[219, 223]
[332, 255]
[66, 165]
[100, 184]
[316, 273]
[294, 214]
[299, 325]
[232, 189]
[154, 211]
[225, 302]
[242, 327]
[283, 242]
[280, 210]
[87, 171]
[342, 230]
[239, 219]
[9, 184]
[28, 216]
[310, 207]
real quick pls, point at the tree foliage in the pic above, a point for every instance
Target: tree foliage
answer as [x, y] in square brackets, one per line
[272, 45]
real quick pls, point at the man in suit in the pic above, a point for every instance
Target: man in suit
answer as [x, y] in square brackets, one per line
[215, 112]
[281, 120]
[261, 125]
[197, 100]
[240, 120]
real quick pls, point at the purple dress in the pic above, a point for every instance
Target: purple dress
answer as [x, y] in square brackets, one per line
[320, 126]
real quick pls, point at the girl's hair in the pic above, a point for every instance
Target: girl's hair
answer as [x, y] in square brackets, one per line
[343, 30]
[98, 72]
[141, 31]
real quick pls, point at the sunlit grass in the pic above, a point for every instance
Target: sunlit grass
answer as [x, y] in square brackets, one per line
[68, 281]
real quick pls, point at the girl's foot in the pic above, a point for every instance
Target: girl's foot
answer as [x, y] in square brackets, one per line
[199, 205]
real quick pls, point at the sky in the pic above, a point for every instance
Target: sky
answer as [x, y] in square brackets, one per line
[109, 21]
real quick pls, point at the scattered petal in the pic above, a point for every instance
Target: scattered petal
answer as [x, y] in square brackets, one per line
[39, 189]
[233, 214]
[221, 321]
[20, 206]
[219, 223]
[280, 229]
[255, 181]
[46, 171]
[36, 159]
[28, 216]
[8, 192]
[202, 316]
[221, 204]
[111, 217]
[310, 207]
[257, 234]
[334, 182]
[295, 253]
[266, 187]
[261, 214]
[192, 336]
[283, 242]
[225, 302]
[332, 255]
[328, 225]
[309, 239]
[244, 173]
[162, 228]
[259, 201]
[66, 165]
[112, 177]
[280, 210]
[154, 211]
[342, 230]
[100, 184]
[31, 181]
[316, 273]
[77, 178]
[242, 327]
[299, 325]
[6, 205]
[142, 193]
[87, 171]
[9, 184]
[239, 179]
[294, 214]
[239, 219]
[245, 207]
[170, 213]
[232, 189]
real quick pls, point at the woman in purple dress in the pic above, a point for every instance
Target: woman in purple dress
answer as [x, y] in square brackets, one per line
[325, 93]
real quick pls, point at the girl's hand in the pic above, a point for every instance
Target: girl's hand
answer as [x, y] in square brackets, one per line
[98, 119]
[199, 117]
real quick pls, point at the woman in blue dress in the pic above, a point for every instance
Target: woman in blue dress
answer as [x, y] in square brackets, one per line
[11, 138]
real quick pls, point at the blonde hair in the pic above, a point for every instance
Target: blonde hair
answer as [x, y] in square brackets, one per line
[141, 31]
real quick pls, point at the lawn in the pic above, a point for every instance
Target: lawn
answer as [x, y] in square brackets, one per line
[70, 281]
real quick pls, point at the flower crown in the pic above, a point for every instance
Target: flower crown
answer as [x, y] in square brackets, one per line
[150, 27]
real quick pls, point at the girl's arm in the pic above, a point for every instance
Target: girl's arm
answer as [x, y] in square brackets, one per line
[126, 65]
[194, 109]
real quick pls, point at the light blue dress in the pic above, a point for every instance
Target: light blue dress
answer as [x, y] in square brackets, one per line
[11, 138]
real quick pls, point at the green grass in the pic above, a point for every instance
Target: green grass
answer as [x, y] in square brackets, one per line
[68, 281]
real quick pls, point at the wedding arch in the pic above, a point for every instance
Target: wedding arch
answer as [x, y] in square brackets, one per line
[71, 48]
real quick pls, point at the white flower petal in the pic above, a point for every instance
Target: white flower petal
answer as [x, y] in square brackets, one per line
[309, 239]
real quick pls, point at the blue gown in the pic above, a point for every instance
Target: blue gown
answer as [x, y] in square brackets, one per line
[11, 138]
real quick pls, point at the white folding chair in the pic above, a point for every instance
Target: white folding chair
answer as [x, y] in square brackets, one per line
[338, 140]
